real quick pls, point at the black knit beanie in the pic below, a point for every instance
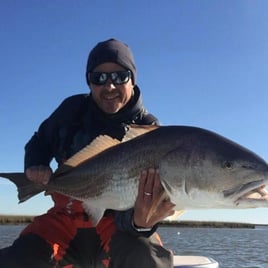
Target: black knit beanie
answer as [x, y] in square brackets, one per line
[111, 50]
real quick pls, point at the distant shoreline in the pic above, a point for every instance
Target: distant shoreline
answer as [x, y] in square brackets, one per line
[15, 219]
[208, 224]
[26, 219]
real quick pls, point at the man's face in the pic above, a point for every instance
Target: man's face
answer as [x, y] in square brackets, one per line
[111, 97]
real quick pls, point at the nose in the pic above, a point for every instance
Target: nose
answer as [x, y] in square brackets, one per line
[109, 85]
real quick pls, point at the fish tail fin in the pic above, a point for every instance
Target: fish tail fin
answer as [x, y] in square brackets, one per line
[26, 189]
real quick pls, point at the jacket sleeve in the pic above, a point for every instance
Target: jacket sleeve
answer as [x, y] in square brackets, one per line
[43, 145]
[124, 222]
[40, 148]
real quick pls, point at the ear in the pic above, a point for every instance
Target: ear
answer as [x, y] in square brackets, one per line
[87, 79]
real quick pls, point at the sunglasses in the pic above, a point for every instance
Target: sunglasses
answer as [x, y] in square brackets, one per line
[118, 78]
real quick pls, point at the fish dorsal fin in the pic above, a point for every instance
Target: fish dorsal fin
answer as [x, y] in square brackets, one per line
[100, 144]
[97, 146]
[137, 130]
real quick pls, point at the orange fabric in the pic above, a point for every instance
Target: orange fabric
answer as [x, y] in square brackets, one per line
[58, 229]
[69, 204]
[106, 263]
[55, 249]
[59, 226]
[105, 229]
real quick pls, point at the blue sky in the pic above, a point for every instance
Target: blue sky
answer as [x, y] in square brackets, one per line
[201, 63]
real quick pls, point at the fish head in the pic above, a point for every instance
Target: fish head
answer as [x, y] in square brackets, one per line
[208, 170]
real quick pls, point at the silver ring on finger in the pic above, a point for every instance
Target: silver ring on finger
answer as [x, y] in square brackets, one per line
[147, 194]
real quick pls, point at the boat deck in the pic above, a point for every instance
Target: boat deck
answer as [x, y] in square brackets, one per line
[194, 262]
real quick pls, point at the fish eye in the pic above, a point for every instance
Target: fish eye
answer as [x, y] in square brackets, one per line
[228, 165]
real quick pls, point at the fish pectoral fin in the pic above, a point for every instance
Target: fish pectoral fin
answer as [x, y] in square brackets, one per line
[155, 204]
[137, 130]
[95, 213]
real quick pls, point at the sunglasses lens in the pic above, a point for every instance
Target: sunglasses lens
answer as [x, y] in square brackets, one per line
[98, 78]
[118, 78]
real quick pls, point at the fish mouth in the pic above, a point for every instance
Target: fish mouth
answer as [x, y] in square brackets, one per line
[249, 192]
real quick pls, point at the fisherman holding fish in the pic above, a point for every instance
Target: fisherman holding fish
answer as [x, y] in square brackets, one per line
[65, 235]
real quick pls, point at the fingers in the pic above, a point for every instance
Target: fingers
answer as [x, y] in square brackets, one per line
[157, 186]
[142, 182]
[150, 207]
[149, 185]
[39, 174]
[166, 208]
[161, 208]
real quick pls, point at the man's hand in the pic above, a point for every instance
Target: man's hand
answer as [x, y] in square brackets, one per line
[150, 190]
[39, 174]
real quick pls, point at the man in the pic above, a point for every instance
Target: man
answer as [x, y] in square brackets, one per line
[64, 236]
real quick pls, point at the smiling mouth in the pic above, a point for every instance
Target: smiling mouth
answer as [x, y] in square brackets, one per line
[110, 98]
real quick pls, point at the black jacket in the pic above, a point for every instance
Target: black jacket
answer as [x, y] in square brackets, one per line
[74, 124]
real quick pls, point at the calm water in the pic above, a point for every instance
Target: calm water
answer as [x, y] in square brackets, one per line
[232, 248]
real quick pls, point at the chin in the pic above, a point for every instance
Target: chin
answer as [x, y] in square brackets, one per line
[112, 110]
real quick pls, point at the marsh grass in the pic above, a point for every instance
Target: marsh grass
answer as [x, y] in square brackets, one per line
[25, 219]
[15, 219]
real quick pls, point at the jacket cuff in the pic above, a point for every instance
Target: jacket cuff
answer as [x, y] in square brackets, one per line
[124, 222]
